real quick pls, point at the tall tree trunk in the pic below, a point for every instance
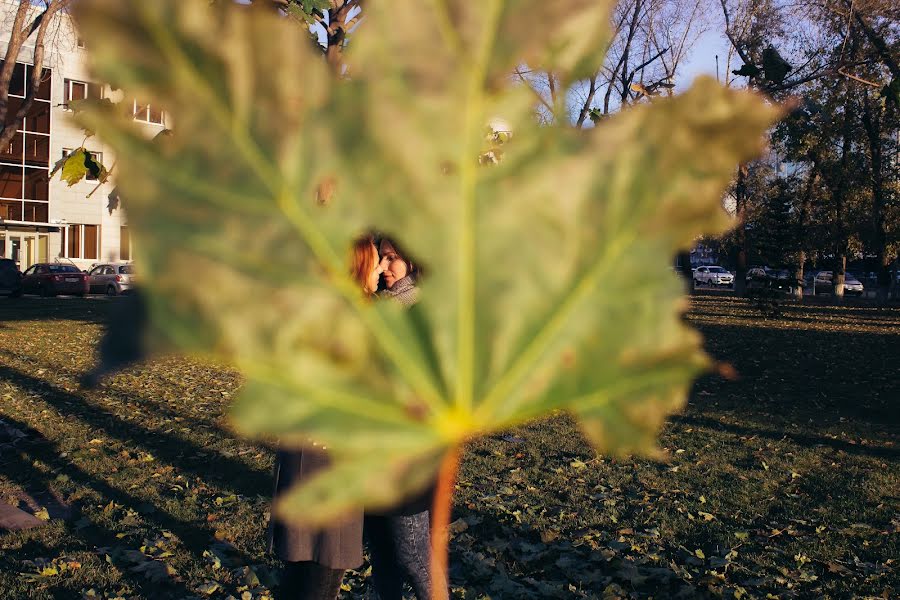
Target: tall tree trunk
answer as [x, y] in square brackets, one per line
[839, 275]
[802, 221]
[798, 275]
[839, 269]
[742, 243]
[872, 123]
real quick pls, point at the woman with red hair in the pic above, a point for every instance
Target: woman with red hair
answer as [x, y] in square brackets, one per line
[315, 559]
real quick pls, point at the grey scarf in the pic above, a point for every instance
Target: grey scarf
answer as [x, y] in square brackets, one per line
[404, 291]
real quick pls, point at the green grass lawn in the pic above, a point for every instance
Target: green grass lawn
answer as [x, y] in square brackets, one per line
[781, 483]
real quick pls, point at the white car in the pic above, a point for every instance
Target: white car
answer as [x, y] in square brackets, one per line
[712, 275]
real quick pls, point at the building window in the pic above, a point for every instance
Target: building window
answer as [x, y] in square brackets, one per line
[36, 212]
[37, 150]
[11, 182]
[83, 241]
[17, 83]
[81, 90]
[91, 241]
[74, 250]
[37, 119]
[96, 156]
[25, 162]
[11, 210]
[37, 185]
[124, 243]
[13, 153]
[148, 113]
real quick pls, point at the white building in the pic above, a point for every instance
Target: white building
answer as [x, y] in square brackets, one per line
[43, 219]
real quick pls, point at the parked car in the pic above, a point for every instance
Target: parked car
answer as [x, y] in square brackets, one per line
[712, 275]
[823, 283]
[50, 279]
[10, 278]
[111, 279]
[778, 281]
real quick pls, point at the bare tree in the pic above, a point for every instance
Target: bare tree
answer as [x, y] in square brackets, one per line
[331, 22]
[31, 22]
[649, 40]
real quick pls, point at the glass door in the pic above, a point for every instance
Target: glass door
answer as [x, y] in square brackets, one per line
[43, 248]
[23, 248]
[15, 251]
[28, 244]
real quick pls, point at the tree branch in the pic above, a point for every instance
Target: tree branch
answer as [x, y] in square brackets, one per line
[730, 36]
[859, 79]
[880, 45]
[586, 106]
[19, 35]
[534, 91]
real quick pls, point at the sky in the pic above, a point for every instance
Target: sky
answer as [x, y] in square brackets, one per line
[700, 61]
[702, 58]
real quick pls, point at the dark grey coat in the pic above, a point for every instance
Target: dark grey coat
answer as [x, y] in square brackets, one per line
[336, 547]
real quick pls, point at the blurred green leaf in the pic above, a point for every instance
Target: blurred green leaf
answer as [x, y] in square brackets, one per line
[548, 280]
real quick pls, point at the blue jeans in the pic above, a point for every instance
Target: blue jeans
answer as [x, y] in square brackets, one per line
[399, 551]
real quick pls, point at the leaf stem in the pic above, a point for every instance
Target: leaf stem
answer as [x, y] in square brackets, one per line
[440, 524]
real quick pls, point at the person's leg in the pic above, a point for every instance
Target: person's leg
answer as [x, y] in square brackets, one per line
[412, 538]
[387, 580]
[307, 580]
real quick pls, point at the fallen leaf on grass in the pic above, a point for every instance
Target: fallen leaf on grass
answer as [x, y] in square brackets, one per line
[838, 568]
[209, 588]
[212, 559]
[226, 500]
[156, 571]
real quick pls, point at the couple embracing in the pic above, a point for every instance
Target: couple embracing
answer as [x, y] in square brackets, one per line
[399, 541]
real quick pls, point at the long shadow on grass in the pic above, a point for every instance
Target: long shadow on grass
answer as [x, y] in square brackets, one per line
[853, 308]
[803, 373]
[123, 392]
[800, 439]
[511, 560]
[85, 310]
[225, 472]
[20, 470]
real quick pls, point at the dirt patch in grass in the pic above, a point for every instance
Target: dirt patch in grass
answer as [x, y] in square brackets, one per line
[780, 483]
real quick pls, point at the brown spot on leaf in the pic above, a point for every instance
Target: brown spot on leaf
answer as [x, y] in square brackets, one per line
[325, 190]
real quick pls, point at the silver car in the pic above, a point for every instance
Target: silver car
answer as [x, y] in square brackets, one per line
[823, 284]
[111, 279]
